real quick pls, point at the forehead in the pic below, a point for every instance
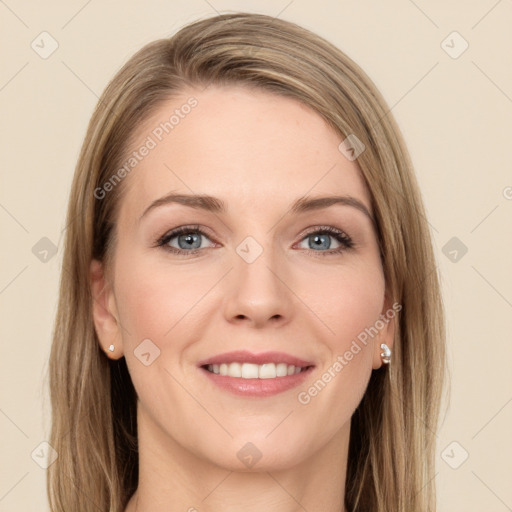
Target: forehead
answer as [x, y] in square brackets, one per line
[247, 146]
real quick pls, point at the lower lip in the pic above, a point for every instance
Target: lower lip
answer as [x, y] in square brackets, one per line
[257, 387]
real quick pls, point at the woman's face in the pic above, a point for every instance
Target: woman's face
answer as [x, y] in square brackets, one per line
[249, 272]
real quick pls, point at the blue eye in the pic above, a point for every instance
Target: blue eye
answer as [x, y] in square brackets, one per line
[187, 240]
[320, 241]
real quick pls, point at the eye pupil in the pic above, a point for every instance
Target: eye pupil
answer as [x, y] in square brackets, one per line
[189, 241]
[322, 241]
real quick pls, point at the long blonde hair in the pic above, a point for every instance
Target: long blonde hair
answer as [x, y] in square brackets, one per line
[94, 429]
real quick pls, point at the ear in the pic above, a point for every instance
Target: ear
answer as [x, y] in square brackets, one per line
[104, 312]
[386, 326]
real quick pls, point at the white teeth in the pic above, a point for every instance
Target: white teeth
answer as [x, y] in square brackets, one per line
[234, 370]
[254, 371]
[267, 371]
[282, 370]
[249, 371]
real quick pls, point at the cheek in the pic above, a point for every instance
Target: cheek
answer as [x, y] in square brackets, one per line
[348, 304]
[162, 304]
[152, 299]
[358, 307]
[346, 300]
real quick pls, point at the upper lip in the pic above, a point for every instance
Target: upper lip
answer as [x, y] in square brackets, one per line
[243, 356]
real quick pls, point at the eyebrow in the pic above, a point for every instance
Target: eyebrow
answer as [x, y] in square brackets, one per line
[215, 205]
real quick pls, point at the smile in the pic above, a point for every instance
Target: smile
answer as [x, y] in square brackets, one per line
[255, 371]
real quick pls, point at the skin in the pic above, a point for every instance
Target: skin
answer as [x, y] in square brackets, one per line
[258, 152]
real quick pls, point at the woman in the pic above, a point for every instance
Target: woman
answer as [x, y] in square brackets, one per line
[249, 309]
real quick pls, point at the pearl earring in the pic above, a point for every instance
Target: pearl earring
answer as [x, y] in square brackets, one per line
[111, 348]
[386, 353]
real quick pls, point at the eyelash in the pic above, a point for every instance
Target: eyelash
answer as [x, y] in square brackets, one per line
[345, 241]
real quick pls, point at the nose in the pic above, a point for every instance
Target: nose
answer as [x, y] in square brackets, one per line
[258, 293]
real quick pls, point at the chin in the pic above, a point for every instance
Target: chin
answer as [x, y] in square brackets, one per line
[258, 455]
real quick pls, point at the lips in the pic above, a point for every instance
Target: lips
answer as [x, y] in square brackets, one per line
[256, 375]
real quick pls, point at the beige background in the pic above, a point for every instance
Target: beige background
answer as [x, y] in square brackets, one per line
[455, 114]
